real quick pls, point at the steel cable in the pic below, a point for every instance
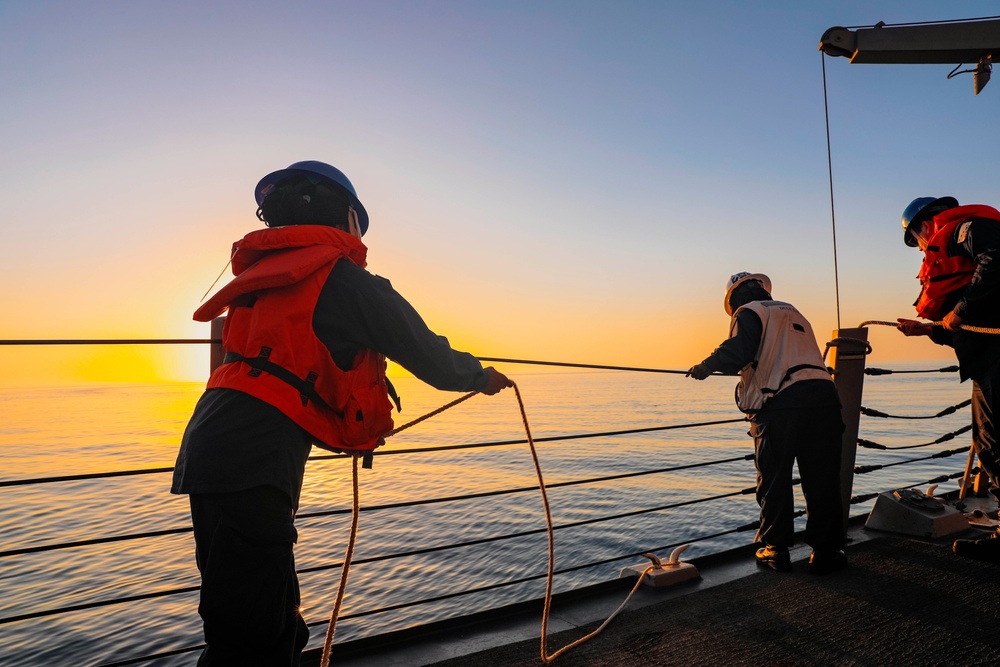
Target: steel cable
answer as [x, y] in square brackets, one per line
[944, 438]
[944, 413]
[372, 508]
[391, 452]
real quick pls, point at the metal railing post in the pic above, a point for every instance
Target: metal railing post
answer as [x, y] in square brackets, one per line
[849, 376]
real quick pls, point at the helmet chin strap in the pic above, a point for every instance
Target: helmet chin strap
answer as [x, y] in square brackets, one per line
[352, 223]
[920, 233]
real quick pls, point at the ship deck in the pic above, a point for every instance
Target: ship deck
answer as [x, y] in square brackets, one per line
[903, 601]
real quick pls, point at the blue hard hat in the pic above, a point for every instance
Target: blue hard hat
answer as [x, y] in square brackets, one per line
[315, 171]
[912, 213]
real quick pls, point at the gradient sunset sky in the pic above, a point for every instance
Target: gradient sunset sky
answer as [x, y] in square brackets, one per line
[569, 181]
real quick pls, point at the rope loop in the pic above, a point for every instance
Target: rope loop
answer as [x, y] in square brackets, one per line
[841, 340]
[550, 574]
[331, 628]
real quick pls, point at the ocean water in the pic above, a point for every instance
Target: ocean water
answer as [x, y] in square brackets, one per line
[71, 430]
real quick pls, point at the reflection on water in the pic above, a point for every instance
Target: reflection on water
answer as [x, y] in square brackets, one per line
[73, 430]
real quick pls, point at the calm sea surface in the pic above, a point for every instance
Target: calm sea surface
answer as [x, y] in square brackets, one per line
[70, 430]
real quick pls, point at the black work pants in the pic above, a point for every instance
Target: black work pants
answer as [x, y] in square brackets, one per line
[249, 590]
[984, 439]
[811, 436]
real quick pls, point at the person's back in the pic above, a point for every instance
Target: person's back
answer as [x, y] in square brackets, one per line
[960, 288]
[792, 403]
[306, 336]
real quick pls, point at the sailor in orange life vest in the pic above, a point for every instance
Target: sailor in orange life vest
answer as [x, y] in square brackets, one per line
[787, 393]
[305, 337]
[960, 284]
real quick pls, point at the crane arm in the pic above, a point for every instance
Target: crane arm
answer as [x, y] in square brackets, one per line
[937, 43]
[934, 43]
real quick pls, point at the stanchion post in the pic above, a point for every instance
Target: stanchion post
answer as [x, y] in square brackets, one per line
[217, 353]
[848, 362]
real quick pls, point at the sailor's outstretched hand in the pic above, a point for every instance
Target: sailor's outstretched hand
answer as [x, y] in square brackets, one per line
[698, 372]
[495, 381]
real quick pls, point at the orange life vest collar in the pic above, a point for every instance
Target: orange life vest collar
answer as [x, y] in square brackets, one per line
[263, 259]
[273, 353]
[942, 274]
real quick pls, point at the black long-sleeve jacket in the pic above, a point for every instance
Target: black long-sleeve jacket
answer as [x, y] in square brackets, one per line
[979, 303]
[235, 441]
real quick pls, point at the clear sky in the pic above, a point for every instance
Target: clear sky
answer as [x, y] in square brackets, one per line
[568, 181]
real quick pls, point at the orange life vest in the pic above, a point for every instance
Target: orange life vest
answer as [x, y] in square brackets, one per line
[941, 274]
[273, 353]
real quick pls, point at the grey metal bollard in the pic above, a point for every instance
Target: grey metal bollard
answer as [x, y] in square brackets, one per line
[848, 362]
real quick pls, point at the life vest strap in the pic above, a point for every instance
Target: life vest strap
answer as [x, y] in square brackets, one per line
[261, 364]
[788, 376]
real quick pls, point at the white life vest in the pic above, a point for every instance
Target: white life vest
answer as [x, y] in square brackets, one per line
[788, 353]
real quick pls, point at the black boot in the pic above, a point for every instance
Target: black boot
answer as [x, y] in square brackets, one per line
[776, 558]
[985, 548]
[825, 562]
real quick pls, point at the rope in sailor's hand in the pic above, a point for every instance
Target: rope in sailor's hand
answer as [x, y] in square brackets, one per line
[964, 327]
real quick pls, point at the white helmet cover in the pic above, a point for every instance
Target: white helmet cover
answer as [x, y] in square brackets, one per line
[738, 279]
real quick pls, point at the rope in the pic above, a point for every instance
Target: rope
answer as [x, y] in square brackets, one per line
[332, 627]
[430, 414]
[546, 658]
[356, 511]
[829, 168]
[964, 327]
[839, 340]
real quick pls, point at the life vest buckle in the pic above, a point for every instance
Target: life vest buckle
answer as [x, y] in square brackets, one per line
[308, 388]
[257, 363]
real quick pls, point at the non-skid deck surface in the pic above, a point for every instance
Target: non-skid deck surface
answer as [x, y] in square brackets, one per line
[901, 602]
